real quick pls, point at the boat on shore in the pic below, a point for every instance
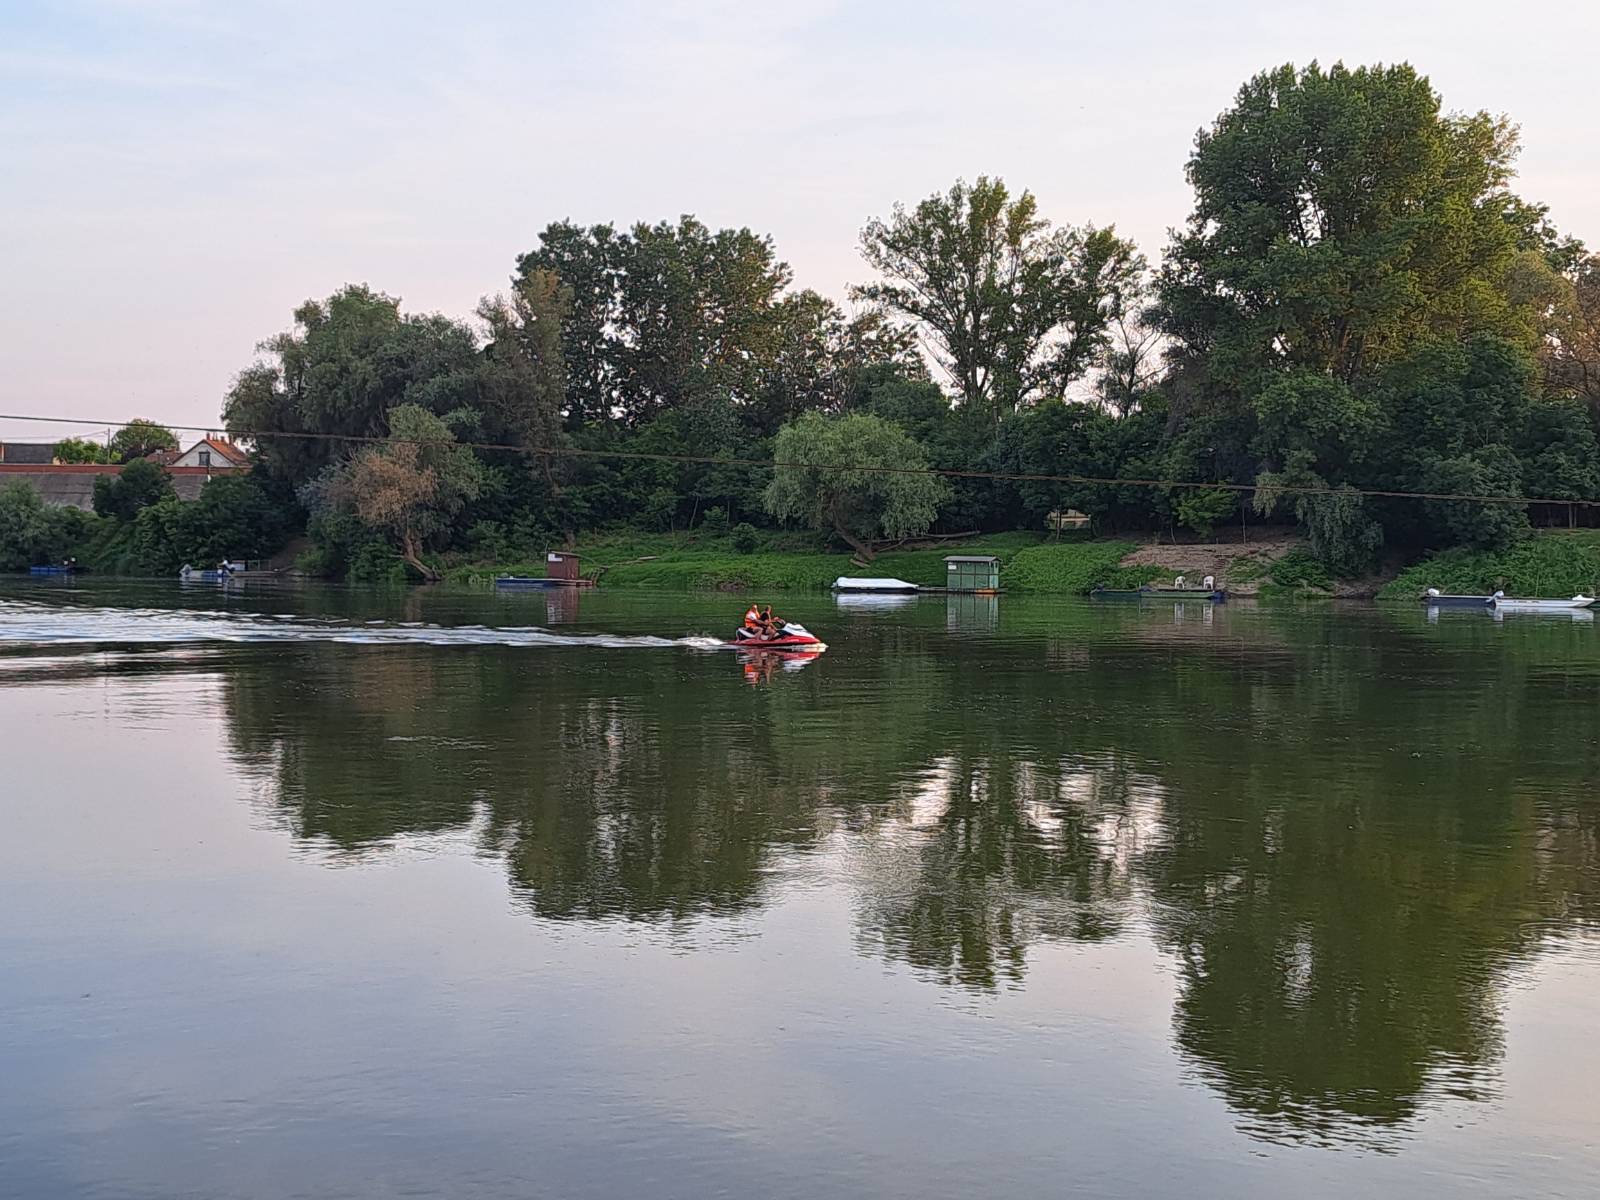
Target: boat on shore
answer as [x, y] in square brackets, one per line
[64, 569]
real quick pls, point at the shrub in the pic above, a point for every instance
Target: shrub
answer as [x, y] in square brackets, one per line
[1202, 509]
[1301, 569]
[746, 537]
[137, 486]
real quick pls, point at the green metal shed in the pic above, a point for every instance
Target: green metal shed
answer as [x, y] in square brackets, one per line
[972, 573]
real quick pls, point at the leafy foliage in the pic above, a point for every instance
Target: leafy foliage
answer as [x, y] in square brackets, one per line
[1301, 569]
[408, 489]
[34, 534]
[1562, 564]
[139, 438]
[139, 484]
[1015, 308]
[78, 450]
[858, 475]
[1203, 509]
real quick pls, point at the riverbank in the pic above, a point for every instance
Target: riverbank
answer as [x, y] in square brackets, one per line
[1029, 563]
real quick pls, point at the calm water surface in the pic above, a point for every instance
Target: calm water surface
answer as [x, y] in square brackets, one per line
[323, 893]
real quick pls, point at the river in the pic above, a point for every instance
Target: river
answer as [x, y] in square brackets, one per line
[326, 893]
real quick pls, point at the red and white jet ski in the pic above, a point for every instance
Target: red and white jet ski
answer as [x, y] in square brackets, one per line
[791, 637]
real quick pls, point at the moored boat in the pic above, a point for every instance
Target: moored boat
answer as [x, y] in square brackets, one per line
[1434, 598]
[1513, 604]
[538, 582]
[1215, 595]
[60, 570]
[848, 583]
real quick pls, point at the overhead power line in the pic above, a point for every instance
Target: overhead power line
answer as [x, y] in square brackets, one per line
[865, 468]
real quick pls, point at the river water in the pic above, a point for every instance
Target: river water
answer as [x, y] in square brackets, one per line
[328, 893]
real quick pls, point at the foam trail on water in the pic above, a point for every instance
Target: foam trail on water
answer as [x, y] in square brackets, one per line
[40, 624]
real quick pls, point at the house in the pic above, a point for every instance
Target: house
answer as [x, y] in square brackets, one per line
[212, 452]
[32, 454]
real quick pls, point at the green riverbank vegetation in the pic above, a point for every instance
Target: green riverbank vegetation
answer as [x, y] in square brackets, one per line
[1358, 303]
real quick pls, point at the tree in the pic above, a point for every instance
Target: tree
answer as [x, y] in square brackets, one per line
[79, 450]
[1340, 219]
[823, 358]
[662, 313]
[1571, 357]
[858, 475]
[349, 361]
[137, 485]
[139, 438]
[408, 488]
[525, 376]
[21, 525]
[1012, 308]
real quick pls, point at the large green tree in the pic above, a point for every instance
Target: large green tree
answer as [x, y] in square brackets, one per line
[1011, 307]
[662, 313]
[139, 438]
[858, 476]
[1355, 303]
[333, 379]
[1341, 217]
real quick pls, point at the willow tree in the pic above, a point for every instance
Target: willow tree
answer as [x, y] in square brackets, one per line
[857, 476]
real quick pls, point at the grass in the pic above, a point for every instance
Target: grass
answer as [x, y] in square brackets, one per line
[1554, 564]
[798, 562]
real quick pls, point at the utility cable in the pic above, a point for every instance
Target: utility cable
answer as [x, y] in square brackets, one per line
[865, 468]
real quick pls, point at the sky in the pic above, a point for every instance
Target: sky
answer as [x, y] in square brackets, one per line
[175, 176]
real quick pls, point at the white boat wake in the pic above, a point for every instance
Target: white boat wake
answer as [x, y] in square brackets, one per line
[42, 624]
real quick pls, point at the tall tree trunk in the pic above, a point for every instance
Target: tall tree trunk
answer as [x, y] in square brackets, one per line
[411, 551]
[865, 551]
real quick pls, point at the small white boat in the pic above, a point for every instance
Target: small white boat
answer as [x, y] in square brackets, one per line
[1508, 604]
[846, 583]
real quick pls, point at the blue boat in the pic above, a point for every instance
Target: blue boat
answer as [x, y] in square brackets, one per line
[51, 570]
[1434, 598]
[527, 583]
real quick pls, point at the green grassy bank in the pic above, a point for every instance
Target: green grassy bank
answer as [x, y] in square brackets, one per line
[1551, 564]
[1028, 563]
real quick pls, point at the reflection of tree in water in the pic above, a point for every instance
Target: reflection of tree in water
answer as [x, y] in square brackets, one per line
[1344, 872]
[1344, 837]
[977, 860]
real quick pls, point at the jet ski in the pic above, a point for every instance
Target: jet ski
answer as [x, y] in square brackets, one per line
[791, 636]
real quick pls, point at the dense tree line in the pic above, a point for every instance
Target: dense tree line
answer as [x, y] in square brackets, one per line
[1358, 302]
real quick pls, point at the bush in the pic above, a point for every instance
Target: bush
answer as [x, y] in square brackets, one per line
[1550, 564]
[1074, 569]
[1301, 569]
[746, 537]
[375, 562]
[137, 486]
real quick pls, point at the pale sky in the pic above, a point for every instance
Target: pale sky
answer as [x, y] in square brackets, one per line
[175, 177]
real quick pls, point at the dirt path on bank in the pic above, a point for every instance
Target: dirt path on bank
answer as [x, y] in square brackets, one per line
[1240, 566]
